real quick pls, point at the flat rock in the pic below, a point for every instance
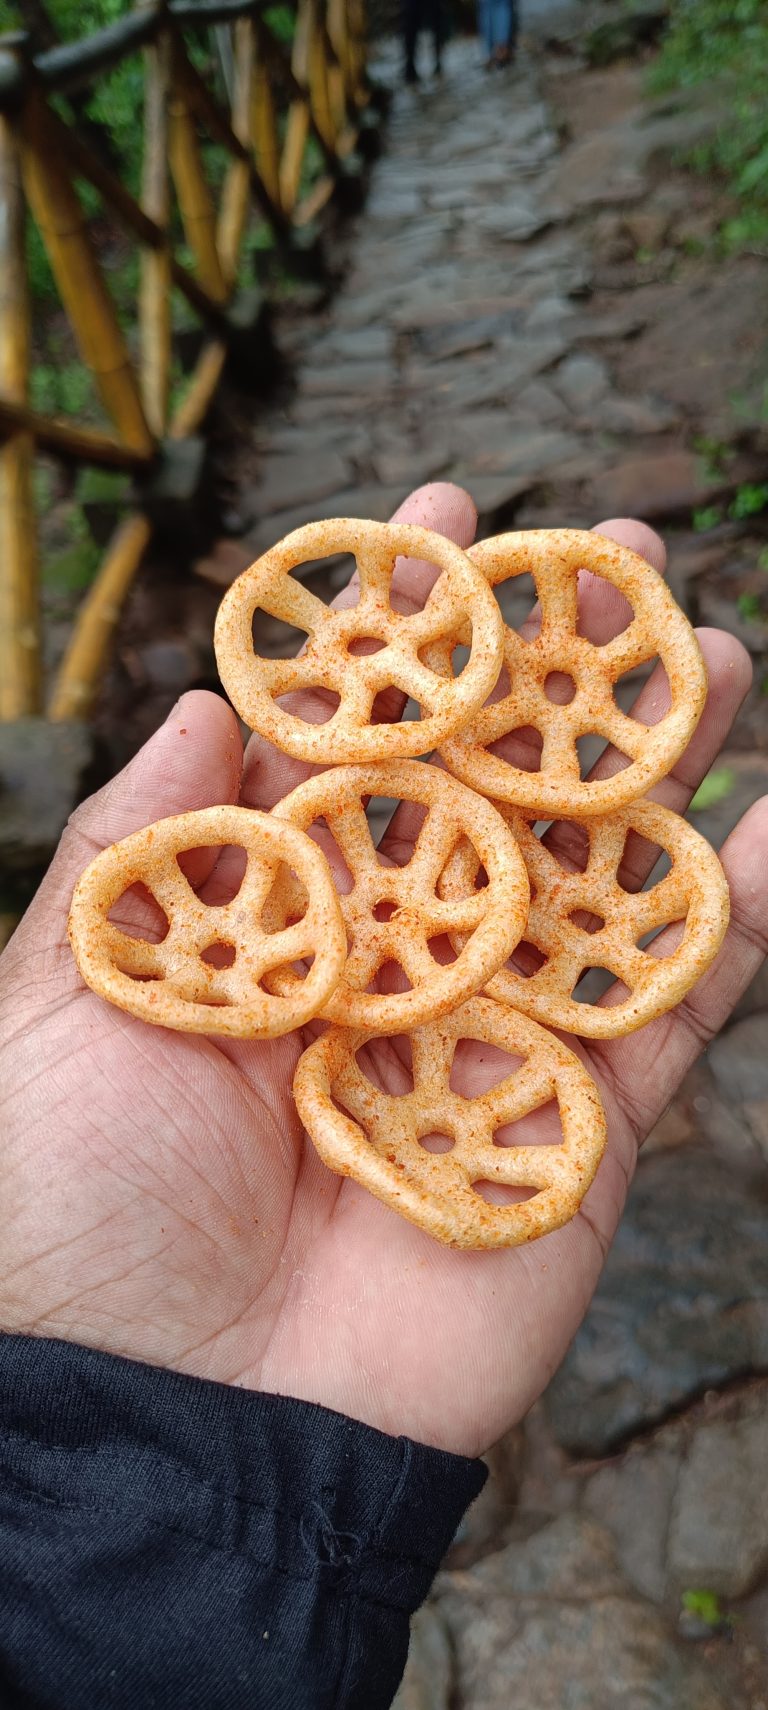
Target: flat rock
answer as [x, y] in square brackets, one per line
[632, 1497]
[581, 381]
[682, 1303]
[376, 502]
[739, 1059]
[718, 1535]
[284, 481]
[653, 484]
[42, 771]
[549, 1622]
[225, 561]
[510, 221]
[428, 1680]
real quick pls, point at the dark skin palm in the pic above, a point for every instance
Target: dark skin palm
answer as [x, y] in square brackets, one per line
[161, 1200]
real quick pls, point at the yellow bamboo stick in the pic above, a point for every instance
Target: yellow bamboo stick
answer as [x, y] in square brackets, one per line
[297, 128]
[315, 200]
[198, 214]
[80, 672]
[317, 76]
[263, 122]
[236, 195]
[91, 312]
[68, 439]
[202, 385]
[155, 283]
[19, 609]
[338, 30]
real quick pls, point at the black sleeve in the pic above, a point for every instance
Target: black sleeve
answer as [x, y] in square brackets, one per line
[172, 1544]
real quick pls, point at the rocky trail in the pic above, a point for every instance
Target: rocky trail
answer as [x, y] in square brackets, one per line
[531, 305]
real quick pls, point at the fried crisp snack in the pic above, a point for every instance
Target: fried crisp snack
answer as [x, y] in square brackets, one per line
[554, 557]
[379, 1141]
[580, 920]
[340, 656]
[392, 913]
[171, 982]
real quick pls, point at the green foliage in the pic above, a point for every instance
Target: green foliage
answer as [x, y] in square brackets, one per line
[723, 46]
[713, 789]
[750, 500]
[750, 606]
[61, 388]
[281, 20]
[715, 455]
[704, 1604]
[72, 571]
[706, 517]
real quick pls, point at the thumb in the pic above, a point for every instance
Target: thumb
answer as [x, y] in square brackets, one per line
[192, 761]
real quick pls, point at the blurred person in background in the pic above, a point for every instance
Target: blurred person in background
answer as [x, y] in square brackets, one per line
[498, 26]
[420, 15]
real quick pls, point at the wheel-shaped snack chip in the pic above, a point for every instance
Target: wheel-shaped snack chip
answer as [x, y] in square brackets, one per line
[355, 652]
[376, 1138]
[554, 557]
[393, 914]
[206, 975]
[587, 919]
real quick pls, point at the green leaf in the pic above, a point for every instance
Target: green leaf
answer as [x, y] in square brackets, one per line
[749, 606]
[713, 789]
[705, 1604]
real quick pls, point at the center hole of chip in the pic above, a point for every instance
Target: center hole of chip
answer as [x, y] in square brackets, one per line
[559, 687]
[219, 954]
[437, 1142]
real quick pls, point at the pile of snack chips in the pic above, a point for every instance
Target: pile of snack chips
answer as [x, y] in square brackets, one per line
[484, 931]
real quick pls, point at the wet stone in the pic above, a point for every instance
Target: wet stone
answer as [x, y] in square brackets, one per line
[682, 1303]
[718, 1534]
[549, 1622]
[428, 1680]
[42, 772]
[739, 1059]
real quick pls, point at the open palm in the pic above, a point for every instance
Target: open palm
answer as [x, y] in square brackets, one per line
[162, 1201]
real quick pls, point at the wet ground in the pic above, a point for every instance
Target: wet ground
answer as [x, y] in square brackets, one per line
[532, 305]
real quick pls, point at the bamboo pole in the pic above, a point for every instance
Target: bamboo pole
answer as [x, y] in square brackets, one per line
[317, 76]
[155, 329]
[263, 121]
[198, 215]
[81, 668]
[128, 211]
[20, 671]
[297, 128]
[204, 106]
[68, 439]
[338, 30]
[91, 312]
[236, 195]
[202, 385]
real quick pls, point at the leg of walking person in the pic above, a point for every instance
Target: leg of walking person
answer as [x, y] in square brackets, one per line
[502, 28]
[485, 27]
[410, 18]
[435, 23]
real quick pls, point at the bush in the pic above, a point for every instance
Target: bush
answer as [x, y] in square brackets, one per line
[724, 44]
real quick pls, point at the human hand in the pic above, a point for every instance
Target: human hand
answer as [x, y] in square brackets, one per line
[161, 1200]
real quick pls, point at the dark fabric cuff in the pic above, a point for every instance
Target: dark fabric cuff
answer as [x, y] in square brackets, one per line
[280, 1483]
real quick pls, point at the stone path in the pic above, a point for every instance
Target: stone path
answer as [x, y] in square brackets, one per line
[530, 308]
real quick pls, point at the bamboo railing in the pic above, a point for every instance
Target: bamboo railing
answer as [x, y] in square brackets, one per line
[278, 103]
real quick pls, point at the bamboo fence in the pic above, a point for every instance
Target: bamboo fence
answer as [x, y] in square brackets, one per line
[281, 101]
